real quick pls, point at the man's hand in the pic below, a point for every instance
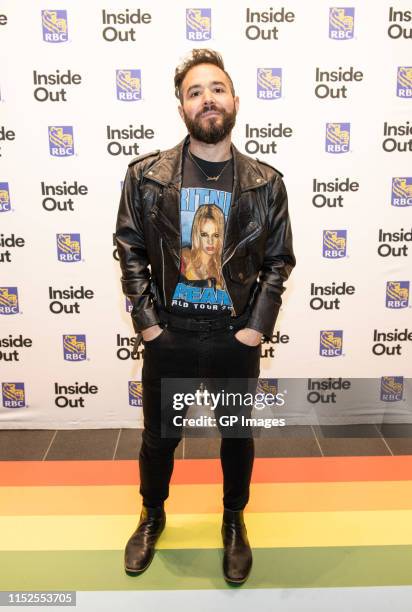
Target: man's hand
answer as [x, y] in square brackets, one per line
[249, 336]
[150, 333]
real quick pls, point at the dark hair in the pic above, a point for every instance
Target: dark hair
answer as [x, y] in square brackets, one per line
[198, 56]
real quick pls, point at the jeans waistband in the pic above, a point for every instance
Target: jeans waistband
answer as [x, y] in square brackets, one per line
[193, 324]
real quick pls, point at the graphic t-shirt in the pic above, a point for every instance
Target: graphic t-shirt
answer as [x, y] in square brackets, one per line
[204, 208]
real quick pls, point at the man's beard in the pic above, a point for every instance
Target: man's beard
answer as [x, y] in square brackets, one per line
[214, 131]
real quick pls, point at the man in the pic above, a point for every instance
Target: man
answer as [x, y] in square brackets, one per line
[213, 225]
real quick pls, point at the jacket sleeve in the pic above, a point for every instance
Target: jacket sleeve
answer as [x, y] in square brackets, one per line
[133, 258]
[279, 260]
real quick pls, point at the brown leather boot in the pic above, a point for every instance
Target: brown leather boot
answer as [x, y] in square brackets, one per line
[140, 548]
[237, 557]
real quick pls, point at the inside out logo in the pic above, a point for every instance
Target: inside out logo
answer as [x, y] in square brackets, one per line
[54, 25]
[198, 24]
[341, 23]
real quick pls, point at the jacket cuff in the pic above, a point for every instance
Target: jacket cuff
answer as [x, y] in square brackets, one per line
[264, 322]
[144, 316]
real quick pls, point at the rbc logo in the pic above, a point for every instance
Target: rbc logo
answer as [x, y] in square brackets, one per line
[198, 24]
[9, 301]
[397, 294]
[334, 243]
[68, 248]
[402, 191]
[269, 83]
[267, 385]
[74, 347]
[337, 137]
[135, 393]
[404, 82]
[128, 85]
[341, 23]
[129, 305]
[391, 388]
[4, 197]
[54, 26]
[61, 142]
[13, 395]
[331, 343]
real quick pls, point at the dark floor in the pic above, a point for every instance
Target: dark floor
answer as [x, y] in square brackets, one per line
[293, 441]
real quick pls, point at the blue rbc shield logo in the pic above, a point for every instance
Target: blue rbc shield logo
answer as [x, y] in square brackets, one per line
[404, 82]
[5, 203]
[74, 347]
[68, 248]
[331, 343]
[9, 301]
[128, 85]
[334, 244]
[13, 395]
[402, 191]
[269, 83]
[198, 24]
[267, 385]
[61, 143]
[129, 305]
[54, 25]
[135, 393]
[337, 137]
[397, 294]
[391, 388]
[341, 23]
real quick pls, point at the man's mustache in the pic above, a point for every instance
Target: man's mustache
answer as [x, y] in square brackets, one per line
[208, 109]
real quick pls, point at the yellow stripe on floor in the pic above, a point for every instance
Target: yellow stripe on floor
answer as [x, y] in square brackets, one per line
[266, 530]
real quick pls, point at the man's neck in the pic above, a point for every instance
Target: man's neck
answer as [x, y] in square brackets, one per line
[211, 152]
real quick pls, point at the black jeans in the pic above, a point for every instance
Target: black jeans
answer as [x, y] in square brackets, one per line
[178, 353]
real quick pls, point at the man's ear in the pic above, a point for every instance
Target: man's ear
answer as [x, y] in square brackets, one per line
[236, 99]
[180, 109]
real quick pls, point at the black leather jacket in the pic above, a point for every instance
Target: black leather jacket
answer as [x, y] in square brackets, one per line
[257, 252]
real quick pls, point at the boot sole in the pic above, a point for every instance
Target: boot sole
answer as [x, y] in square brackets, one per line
[237, 582]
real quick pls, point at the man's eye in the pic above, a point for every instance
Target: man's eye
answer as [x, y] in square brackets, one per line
[194, 93]
[219, 89]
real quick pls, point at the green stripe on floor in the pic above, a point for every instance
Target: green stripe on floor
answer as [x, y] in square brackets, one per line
[201, 569]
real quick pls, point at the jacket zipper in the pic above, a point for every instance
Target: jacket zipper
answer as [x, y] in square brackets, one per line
[163, 270]
[225, 262]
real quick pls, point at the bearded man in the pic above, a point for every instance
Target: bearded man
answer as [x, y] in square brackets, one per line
[194, 327]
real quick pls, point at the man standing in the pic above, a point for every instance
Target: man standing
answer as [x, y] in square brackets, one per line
[213, 225]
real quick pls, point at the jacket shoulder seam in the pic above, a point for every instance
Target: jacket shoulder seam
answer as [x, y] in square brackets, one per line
[144, 156]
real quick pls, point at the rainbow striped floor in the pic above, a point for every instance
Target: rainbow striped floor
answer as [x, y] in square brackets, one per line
[312, 523]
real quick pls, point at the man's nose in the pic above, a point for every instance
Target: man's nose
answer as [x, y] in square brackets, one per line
[208, 97]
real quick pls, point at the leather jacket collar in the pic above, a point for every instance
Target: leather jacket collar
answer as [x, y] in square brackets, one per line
[167, 170]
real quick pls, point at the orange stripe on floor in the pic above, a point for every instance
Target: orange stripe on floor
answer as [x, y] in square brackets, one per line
[207, 498]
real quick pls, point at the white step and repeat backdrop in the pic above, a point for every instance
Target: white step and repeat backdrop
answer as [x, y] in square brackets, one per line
[325, 96]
